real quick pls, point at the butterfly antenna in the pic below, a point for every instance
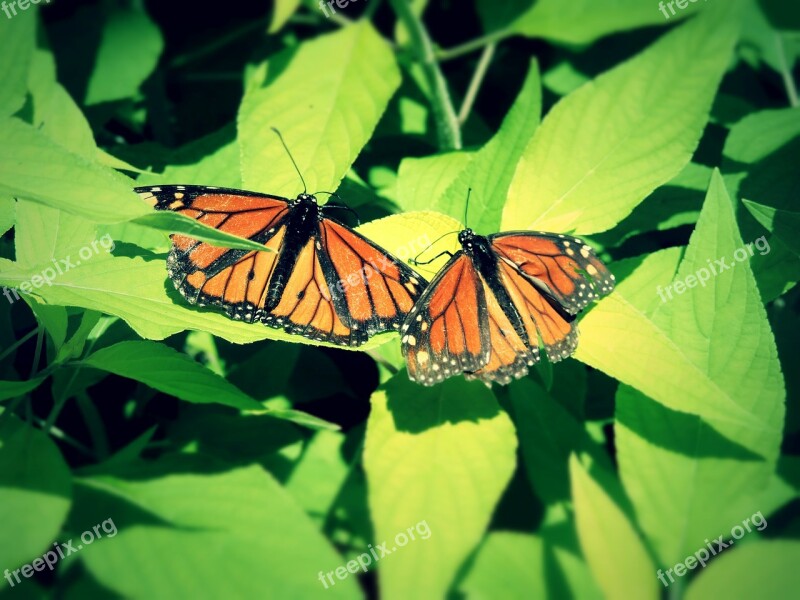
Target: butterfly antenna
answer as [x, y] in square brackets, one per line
[341, 206]
[431, 245]
[285, 147]
[466, 206]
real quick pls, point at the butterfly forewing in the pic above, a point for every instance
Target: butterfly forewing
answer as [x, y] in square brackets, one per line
[563, 266]
[446, 332]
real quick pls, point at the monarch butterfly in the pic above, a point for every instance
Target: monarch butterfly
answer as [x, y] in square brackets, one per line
[496, 301]
[318, 278]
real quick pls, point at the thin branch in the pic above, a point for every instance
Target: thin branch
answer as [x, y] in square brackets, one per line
[447, 128]
[473, 45]
[19, 342]
[475, 83]
[786, 73]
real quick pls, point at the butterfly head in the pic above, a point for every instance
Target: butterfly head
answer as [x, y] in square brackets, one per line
[306, 199]
[466, 238]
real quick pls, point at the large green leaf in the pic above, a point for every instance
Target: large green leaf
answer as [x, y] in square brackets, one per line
[615, 552]
[69, 182]
[19, 40]
[712, 468]
[129, 50]
[757, 570]
[54, 111]
[441, 456]
[583, 21]
[604, 148]
[183, 521]
[665, 355]
[45, 235]
[422, 182]
[169, 371]
[35, 493]
[325, 119]
[532, 567]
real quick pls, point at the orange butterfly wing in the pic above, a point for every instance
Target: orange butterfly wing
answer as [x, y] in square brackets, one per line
[446, 333]
[563, 266]
[373, 290]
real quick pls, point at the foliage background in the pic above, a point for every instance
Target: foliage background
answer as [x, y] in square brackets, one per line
[238, 461]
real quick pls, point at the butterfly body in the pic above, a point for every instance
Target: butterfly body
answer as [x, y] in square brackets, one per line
[316, 277]
[499, 300]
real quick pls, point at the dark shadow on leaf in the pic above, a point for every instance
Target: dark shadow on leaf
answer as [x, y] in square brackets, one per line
[416, 408]
[675, 431]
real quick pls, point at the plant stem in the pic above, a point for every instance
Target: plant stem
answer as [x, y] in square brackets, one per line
[472, 45]
[19, 342]
[475, 83]
[447, 128]
[786, 73]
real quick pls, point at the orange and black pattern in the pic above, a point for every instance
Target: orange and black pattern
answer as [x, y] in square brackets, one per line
[316, 278]
[497, 302]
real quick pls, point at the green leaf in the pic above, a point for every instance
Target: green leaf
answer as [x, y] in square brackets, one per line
[69, 180]
[604, 148]
[19, 40]
[211, 160]
[584, 21]
[408, 234]
[325, 119]
[184, 520]
[666, 355]
[756, 570]
[169, 371]
[319, 475]
[785, 224]
[441, 455]
[531, 567]
[422, 182]
[136, 290]
[13, 389]
[53, 318]
[54, 111]
[713, 466]
[47, 235]
[35, 493]
[760, 134]
[282, 12]
[171, 222]
[7, 214]
[129, 50]
[611, 544]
